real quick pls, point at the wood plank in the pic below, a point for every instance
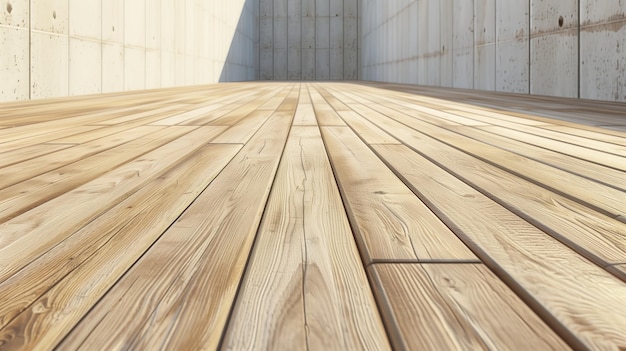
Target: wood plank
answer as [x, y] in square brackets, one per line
[390, 223]
[597, 237]
[457, 307]
[42, 136]
[206, 250]
[36, 166]
[602, 174]
[564, 137]
[252, 106]
[325, 114]
[29, 152]
[365, 129]
[234, 112]
[27, 236]
[584, 303]
[242, 131]
[617, 140]
[161, 111]
[605, 199]
[32, 192]
[71, 277]
[606, 159]
[305, 287]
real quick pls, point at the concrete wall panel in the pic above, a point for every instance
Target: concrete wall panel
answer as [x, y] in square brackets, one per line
[15, 14]
[134, 68]
[50, 16]
[85, 67]
[112, 68]
[113, 21]
[603, 61]
[153, 69]
[554, 64]
[88, 23]
[513, 47]
[554, 48]
[485, 67]
[14, 64]
[153, 24]
[311, 37]
[49, 51]
[135, 23]
[322, 64]
[603, 50]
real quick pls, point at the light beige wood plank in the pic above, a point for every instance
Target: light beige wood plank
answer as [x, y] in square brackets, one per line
[592, 234]
[305, 287]
[456, 307]
[590, 170]
[599, 196]
[73, 276]
[242, 131]
[596, 135]
[563, 137]
[29, 235]
[29, 152]
[43, 136]
[606, 159]
[583, 301]
[206, 250]
[36, 166]
[32, 192]
[240, 113]
[390, 223]
[325, 114]
[232, 113]
[305, 115]
[369, 132]
[161, 112]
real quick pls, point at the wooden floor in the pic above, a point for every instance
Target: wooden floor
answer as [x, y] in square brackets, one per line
[322, 216]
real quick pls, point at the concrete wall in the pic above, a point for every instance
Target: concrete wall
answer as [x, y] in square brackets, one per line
[308, 39]
[569, 48]
[51, 48]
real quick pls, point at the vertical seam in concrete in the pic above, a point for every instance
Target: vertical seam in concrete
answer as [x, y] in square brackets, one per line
[124, 46]
[273, 40]
[30, 50]
[474, 45]
[287, 37]
[530, 28]
[69, 31]
[343, 40]
[101, 48]
[301, 36]
[145, 44]
[579, 42]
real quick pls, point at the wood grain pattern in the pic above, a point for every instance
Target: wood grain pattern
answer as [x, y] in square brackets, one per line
[583, 302]
[368, 131]
[392, 224]
[30, 193]
[604, 198]
[606, 159]
[36, 166]
[206, 250]
[590, 170]
[456, 307]
[594, 235]
[29, 235]
[305, 287]
[122, 228]
[70, 278]
[596, 135]
[325, 114]
[242, 131]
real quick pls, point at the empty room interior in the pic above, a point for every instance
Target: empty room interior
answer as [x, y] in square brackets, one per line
[313, 175]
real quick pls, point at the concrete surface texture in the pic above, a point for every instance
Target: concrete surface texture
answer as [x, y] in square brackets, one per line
[52, 48]
[308, 39]
[568, 48]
